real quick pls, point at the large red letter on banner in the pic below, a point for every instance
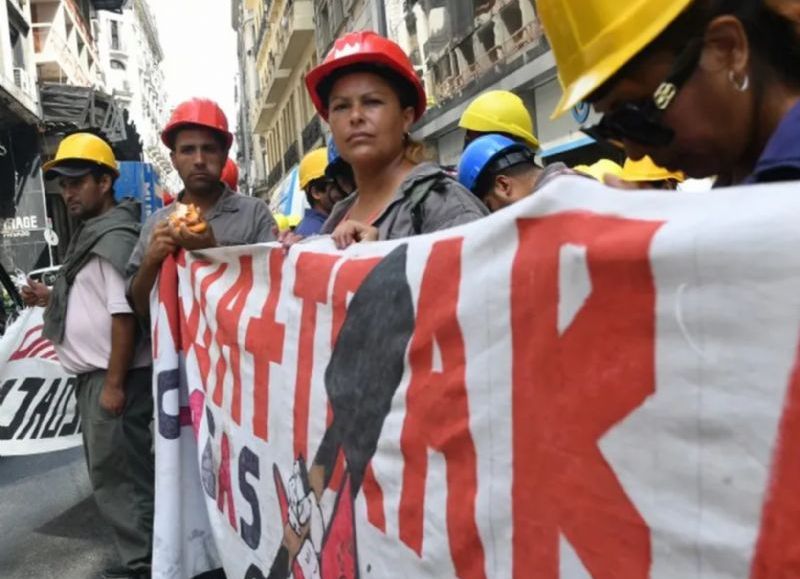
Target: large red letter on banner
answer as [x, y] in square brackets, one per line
[438, 415]
[311, 285]
[778, 550]
[229, 315]
[191, 324]
[571, 387]
[264, 341]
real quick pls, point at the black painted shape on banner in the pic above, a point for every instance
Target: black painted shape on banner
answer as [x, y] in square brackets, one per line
[169, 425]
[367, 365]
[212, 426]
[254, 572]
[60, 412]
[40, 412]
[5, 389]
[207, 475]
[72, 427]
[30, 386]
[248, 463]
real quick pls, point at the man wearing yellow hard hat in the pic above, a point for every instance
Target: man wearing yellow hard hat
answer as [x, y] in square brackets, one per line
[645, 174]
[94, 332]
[498, 112]
[321, 192]
[599, 169]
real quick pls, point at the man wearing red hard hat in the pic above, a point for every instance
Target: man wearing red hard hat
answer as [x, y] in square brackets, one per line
[207, 213]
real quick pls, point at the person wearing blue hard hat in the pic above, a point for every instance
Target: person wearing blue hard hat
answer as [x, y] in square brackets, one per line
[339, 170]
[501, 171]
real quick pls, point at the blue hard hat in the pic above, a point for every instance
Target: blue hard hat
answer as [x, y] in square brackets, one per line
[333, 152]
[485, 151]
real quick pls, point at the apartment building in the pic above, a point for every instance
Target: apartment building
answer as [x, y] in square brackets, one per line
[131, 54]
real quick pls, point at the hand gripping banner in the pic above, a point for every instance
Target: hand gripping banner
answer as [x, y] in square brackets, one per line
[592, 383]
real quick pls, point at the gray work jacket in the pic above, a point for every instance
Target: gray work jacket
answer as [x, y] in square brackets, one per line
[427, 200]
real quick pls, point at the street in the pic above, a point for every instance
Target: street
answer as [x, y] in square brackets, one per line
[51, 526]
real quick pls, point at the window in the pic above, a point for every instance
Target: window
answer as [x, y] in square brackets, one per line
[117, 65]
[115, 43]
[17, 47]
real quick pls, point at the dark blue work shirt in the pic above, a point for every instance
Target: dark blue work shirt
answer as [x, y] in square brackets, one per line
[780, 160]
[311, 223]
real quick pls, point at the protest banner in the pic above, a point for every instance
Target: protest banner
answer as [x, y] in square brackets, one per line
[592, 383]
[38, 407]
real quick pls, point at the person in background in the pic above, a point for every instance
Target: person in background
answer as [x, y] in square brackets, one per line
[197, 136]
[321, 192]
[707, 87]
[339, 171]
[644, 174]
[498, 112]
[96, 336]
[501, 171]
[368, 92]
[230, 175]
[599, 169]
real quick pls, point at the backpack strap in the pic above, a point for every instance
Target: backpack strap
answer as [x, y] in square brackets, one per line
[418, 196]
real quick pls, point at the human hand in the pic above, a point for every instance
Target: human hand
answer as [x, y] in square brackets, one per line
[162, 244]
[112, 399]
[191, 237]
[288, 238]
[350, 232]
[35, 294]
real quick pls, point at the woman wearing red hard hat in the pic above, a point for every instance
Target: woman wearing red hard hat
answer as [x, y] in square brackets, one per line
[368, 92]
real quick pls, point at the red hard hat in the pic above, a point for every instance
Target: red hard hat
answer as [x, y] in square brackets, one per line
[230, 175]
[364, 47]
[196, 112]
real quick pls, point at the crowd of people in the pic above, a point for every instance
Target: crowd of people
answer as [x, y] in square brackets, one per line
[697, 88]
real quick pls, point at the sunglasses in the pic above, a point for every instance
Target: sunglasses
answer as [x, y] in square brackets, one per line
[641, 121]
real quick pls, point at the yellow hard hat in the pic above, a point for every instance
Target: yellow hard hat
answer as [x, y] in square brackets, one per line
[499, 111]
[83, 147]
[593, 39]
[600, 169]
[645, 170]
[313, 166]
[282, 222]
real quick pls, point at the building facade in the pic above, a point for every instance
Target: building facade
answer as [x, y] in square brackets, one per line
[461, 49]
[23, 216]
[276, 38]
[131, 54]
[64, 42]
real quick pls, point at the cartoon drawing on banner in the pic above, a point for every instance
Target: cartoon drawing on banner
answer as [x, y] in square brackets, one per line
[317, 504]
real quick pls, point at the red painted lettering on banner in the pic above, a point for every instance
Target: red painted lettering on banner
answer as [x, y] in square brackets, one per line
[313, 273]
[349, 277]
[224, 487]
[570, 389]
[191, 324]
[169, 298]
[264, 340]
[229, 315]
[778, 548]
[437, 415]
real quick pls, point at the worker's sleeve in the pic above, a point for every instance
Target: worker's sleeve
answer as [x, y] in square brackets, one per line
[114, 284]
[265, 226]
[135, 261]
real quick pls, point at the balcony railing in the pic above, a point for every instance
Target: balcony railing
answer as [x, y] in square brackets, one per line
[50, 46]
[274, 176]
[292, 156]
[312, 133]
[526, 37]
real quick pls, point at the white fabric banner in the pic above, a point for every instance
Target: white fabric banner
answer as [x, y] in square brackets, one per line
[38, 408]
[592, 383]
